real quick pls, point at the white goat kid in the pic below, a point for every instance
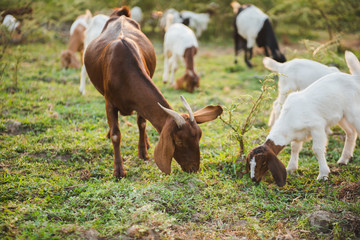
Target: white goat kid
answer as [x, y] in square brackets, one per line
[178, 37]
[294, 75]
[331, 100]
[94, 29]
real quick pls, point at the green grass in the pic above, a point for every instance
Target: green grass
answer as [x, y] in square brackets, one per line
[56, 169]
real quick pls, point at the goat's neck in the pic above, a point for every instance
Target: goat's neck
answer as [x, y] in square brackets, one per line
[275, 148]
[151, 111]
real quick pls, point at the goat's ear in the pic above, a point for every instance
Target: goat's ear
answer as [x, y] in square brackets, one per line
[164, 150]
[208, 113]
[278, 170]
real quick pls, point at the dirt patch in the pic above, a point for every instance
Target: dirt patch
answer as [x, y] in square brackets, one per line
[13, 128]
[350, 192]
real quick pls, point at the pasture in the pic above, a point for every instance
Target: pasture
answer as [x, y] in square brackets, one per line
[56, 163]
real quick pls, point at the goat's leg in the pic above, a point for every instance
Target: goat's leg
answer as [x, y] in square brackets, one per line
[295, 150]
[173, 68]
[83, 79]
[166, 68]
[248, 58]
[319, 148]
[143, 145]
[115, 136]
[266, 51]
[350, 141]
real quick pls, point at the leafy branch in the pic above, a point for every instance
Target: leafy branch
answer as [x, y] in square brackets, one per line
[241, 129]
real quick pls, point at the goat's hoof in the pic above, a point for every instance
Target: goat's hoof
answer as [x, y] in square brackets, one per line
[144, 156]
[119, 174]
[290, 171]
[322, 178]
[343, 161]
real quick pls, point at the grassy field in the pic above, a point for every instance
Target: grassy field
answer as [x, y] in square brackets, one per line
[56, 163]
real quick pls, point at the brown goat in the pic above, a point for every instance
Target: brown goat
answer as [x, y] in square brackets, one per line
[76, 42]
[120, 64]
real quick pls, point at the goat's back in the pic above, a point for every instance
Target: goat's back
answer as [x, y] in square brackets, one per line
[302, 72]
[120, 50]
[178, 38]
[250, 21]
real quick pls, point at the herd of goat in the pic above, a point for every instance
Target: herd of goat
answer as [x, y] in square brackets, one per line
[120, 61]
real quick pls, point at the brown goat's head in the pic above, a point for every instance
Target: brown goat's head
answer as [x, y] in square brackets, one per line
[260, 160]
[68, 59]
[189, 81]
[180, 138]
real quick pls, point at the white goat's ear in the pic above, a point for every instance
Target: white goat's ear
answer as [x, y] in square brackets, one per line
[352, 62]
[164, 150]
[208, 113]
[277, 170]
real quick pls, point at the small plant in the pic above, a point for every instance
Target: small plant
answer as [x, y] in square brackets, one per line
[241, 127]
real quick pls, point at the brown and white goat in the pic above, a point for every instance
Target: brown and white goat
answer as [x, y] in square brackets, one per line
[120, 64]
[180, 42]
[76, 42]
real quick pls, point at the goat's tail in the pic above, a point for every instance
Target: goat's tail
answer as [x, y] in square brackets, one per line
[236, 6]
[271, 64]
[169, 21]
[352, 62]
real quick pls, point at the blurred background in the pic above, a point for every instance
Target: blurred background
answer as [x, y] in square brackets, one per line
[293, 20]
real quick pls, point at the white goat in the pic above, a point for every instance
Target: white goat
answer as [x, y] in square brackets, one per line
[94, 29]
[198, 21]
[137, 14]
[178, 38]
[295, 75]
[331, 100]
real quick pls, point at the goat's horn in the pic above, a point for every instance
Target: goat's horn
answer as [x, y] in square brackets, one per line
[188, 108]
[179, 120]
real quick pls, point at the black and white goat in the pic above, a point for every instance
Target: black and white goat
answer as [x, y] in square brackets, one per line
[252, 26]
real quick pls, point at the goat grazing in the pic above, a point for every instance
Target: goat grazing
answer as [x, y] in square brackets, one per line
[180, 42]
[76, 41]
[331, 100]
[252, 26]
[94, 29]
[295, 75]
[120, 64]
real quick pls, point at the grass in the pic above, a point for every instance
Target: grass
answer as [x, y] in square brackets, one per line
[56, 167]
